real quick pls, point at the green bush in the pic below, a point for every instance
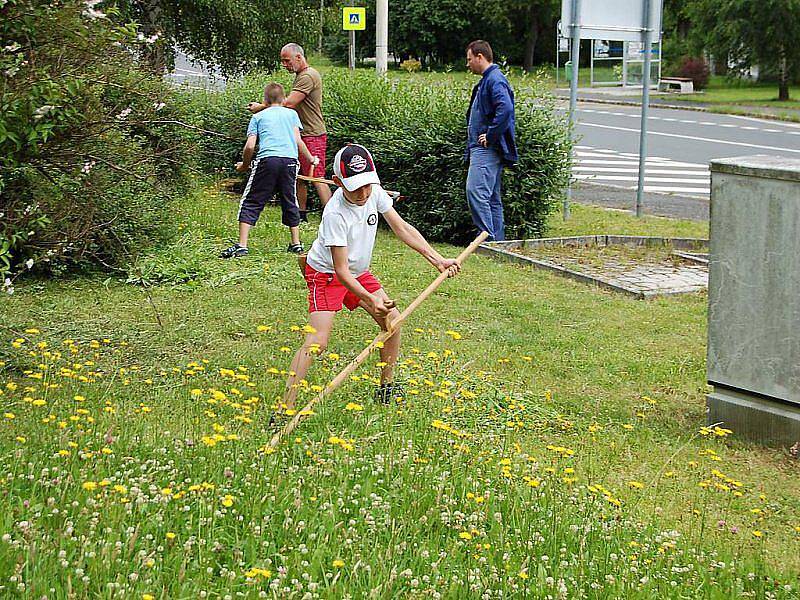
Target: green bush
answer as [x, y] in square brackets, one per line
[417, 134]
[90, 157]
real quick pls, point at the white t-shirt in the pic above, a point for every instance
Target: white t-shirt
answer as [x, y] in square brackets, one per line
[346, 224]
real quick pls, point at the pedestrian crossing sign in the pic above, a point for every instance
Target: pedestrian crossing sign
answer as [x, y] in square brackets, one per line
[354, 18]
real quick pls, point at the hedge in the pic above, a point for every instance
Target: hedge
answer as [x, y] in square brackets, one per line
[417, 134]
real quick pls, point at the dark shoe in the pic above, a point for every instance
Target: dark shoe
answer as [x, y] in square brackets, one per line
[295, 248]
[304, 216]
[387, 392]
[234, 251]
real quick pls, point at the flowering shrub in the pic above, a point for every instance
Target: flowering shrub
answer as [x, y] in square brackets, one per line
[412, 65]
[696, 69]
[87, 157]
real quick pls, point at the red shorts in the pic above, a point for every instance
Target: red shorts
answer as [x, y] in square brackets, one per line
[326, 292]
[316, 145]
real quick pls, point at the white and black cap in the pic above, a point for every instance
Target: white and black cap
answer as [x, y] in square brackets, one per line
[354, 166]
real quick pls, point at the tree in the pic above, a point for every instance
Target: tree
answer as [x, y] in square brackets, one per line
[231, 34]
[761, 33]
[527, 22]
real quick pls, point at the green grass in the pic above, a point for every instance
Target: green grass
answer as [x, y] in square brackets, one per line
[549, 442]
[591, 220]
[721, 91]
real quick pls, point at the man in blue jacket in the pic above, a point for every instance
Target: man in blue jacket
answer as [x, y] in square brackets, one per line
[490, 139]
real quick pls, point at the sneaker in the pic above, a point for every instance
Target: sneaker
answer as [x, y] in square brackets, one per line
[234, 251]
[295, 248]
[388, 392]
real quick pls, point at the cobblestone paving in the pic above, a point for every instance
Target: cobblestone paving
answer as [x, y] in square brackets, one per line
[640, 270]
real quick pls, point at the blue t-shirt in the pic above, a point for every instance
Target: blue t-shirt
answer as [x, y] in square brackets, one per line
[274, 127]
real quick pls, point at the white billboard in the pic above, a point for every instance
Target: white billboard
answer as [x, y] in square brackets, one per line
[612, 19]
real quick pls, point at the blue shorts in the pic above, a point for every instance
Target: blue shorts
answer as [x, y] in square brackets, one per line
[270, 176]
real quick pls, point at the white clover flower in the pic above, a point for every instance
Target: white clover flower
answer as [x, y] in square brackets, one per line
[29, 264]
[124, 114]
[159, 105]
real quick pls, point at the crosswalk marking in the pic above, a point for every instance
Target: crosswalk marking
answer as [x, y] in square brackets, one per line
[620, 169]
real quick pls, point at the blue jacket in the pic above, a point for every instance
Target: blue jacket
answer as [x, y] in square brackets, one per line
[494, 98]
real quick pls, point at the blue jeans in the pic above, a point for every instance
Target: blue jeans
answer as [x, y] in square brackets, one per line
[483, 192]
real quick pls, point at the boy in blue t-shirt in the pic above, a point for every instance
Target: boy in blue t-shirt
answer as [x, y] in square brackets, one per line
[276, 129]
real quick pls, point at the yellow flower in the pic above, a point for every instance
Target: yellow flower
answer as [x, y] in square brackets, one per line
[353, 406]
[523, 575]
[227, 501]
[453, 334]
[309, 329]
[338, 563]
[170, 535]
[21, 439]
[263, 328]
[166, 491]
[148, 597]
[89, 486]
[9, 415]
[636, 484]
[757, 533]
[465, 535]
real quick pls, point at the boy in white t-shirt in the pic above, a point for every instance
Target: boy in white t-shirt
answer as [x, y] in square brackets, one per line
[337, 266]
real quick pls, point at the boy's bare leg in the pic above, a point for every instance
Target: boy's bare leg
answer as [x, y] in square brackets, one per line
[295, 233]
[302, 195]
[391, 347]
[324, 192]
[244, 233]
[322, 322]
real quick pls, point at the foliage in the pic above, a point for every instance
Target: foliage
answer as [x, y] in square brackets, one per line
[411, 65]
[233, 35]
[696, 69]
[749, 33]
[87, 153]
[417, 134]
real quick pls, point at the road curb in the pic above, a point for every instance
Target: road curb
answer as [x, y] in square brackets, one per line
[704, 109]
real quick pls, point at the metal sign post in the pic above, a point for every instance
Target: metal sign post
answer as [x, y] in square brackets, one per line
[573, 85]
[648, 52]
[626, 20]
[354, 18]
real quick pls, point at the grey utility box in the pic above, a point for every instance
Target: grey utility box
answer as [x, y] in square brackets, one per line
[754, 298]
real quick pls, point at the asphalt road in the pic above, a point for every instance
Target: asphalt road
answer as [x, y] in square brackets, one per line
[681, 143]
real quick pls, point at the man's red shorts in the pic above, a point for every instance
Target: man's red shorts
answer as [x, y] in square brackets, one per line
[326, 292]
[316, 144]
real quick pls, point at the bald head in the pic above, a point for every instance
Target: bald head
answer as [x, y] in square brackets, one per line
[293, 58]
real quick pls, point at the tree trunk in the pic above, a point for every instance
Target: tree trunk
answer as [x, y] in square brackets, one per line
[153, 53]
[783, 85]
[531, 38]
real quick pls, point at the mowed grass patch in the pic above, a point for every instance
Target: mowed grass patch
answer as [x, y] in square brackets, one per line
[595, 220]
[550, 441]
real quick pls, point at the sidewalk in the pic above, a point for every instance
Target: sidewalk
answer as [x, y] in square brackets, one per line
[633, 97]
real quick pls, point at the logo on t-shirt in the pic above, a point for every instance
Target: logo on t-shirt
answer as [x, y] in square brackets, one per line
[357, 163]
[372, 219]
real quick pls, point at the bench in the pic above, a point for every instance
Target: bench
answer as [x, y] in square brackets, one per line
[683, 85]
